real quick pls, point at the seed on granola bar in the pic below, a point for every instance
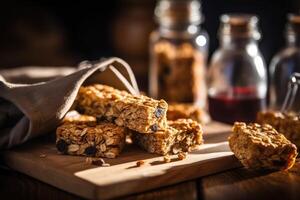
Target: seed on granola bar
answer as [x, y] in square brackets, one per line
[140, 163]
[261, 147]
[73, 148]
[75, 117]
[62, 146]
[90, 151]
[176, 150]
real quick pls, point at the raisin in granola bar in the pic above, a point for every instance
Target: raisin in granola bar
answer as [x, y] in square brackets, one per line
[139, 113]
[286, 123]
[182, 135]
[261, 147]
[187, 111]
[103, 139]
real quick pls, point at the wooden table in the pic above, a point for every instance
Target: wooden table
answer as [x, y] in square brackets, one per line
[233, 184]
[238, 183]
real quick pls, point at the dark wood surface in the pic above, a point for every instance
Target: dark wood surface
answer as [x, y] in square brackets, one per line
[122, 178]
[245, 184]
[233, 184]
[238, 183]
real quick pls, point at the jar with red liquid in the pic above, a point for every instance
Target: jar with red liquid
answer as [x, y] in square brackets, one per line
[237, 83]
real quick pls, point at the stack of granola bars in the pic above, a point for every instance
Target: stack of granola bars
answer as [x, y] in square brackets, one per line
[113, 114]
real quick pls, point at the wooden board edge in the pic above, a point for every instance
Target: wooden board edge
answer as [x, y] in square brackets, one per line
[83, 188]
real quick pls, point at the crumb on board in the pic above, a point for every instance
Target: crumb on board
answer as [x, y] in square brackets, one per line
[105, 165]
[140, 163]
[167, 159]
[43, 155]
[96, 161]
[182, 155]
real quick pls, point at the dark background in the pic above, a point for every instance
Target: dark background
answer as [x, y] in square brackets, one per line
[64, 33]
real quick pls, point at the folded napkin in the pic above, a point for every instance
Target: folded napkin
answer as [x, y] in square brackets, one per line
[28, 110]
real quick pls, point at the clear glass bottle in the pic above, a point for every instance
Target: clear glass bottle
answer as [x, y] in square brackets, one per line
[284, 64]
[237, 84]
[178, 50]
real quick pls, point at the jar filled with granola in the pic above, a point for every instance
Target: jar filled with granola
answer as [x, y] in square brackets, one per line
[178, 53]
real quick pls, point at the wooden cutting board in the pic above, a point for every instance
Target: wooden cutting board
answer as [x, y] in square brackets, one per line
[39, 159]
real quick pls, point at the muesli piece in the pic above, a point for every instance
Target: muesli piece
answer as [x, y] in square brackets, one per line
[261, 147]
[103, 139]
[182, 135]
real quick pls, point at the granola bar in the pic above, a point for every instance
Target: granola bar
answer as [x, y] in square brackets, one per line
[75, 117]
[102, 139]
[139, 113]
[286, 123]
[187, 111]
[182, 135]
[261, 147]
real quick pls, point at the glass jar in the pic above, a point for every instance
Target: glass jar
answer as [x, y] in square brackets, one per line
[237, 84]
[178, 50]
[284, 64]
